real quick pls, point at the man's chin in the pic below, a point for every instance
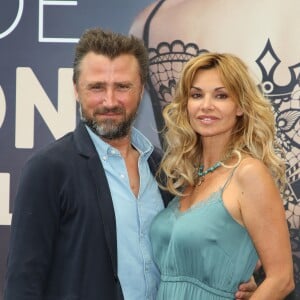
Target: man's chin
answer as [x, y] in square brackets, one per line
[111, 134]
[110, 128]
[108, 131]
[108, 118]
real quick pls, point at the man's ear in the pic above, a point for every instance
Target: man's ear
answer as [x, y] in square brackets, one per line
[142, 92]
[75, 92]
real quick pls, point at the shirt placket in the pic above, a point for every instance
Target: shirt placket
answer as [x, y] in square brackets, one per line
[143, 230]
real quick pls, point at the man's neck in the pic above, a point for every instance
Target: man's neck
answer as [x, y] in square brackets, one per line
[123, 144]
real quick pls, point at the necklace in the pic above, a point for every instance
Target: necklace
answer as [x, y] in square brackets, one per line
[202, 173]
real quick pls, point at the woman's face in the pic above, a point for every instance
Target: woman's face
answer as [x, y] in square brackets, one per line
[212, 110]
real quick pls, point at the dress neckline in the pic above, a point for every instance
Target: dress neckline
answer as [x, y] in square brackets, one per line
[212, 198]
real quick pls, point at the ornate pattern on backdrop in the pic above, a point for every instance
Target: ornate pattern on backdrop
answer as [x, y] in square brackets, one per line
[166, 63]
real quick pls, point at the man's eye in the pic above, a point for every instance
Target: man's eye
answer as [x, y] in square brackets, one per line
[123, 87]
[98, 87]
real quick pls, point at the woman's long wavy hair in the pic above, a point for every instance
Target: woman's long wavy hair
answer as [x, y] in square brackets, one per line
[254, 133]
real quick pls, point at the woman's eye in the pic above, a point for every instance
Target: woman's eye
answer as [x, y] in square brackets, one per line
[221, 96]
[196, 95]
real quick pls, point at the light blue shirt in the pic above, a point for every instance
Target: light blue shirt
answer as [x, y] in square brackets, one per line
[137, 271]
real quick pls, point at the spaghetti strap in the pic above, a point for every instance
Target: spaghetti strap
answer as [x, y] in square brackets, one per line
[229, 178]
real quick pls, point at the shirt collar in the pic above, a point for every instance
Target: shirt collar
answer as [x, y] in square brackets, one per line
[138, 140]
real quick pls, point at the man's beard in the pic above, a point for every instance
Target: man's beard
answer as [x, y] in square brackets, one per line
[109, 129]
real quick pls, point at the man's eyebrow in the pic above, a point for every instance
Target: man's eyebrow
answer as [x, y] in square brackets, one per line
[123, 83]
[91, 84]
[103, 84]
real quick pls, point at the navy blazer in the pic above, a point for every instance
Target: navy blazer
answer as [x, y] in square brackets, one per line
[63, 236]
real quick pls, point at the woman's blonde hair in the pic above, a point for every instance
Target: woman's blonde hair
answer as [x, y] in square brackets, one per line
[254, 133]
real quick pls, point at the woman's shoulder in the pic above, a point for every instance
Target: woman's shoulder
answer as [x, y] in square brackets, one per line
[255, 183]
[251, 170]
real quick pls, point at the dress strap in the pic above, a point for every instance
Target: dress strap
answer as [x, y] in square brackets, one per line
[229, 178]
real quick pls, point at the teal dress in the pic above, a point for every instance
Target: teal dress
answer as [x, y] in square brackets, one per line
[202, 253]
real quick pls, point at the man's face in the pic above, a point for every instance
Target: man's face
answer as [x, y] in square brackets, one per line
[109, 93]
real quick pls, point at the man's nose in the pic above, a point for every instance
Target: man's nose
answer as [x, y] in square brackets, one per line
[109, 98]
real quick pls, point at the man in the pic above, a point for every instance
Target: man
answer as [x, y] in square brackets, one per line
[91, 190]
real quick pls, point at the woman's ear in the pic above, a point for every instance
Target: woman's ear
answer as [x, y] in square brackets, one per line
[239, 112]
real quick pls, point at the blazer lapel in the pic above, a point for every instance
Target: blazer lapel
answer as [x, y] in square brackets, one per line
[86, 148]
[106, 207]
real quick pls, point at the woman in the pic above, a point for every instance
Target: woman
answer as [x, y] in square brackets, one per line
[224, 167]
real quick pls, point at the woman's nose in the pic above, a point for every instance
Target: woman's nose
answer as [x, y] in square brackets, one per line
[207, 102]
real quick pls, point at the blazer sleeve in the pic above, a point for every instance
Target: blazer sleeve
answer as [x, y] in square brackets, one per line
[35, 223]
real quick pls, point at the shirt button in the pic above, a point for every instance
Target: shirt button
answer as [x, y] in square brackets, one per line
[104, 157]
[122, 176]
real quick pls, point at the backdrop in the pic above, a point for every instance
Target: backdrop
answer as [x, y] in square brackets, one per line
[37, 106]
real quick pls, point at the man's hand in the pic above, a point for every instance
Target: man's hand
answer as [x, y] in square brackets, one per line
[246, 290]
